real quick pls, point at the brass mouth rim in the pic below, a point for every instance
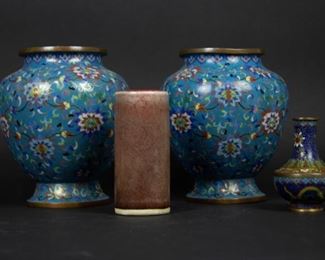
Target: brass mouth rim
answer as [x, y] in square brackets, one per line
[300, 175]
[72, 49]
[305, 118]
[214, 50]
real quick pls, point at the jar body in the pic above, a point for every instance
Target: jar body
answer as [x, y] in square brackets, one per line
[226, 117]
[57, 118]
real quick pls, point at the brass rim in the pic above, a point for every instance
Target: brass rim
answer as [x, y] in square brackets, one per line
[300, 175]
[235, 51]
[49, 49]
[309, 210]
[305, 118]
[68, 205]
[228, 201]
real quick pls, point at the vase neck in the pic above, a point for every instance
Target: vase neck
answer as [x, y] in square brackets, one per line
[222, 59]
[305, 147]
[62, 58]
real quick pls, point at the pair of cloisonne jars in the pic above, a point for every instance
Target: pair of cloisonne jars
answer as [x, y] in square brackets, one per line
[226, 115]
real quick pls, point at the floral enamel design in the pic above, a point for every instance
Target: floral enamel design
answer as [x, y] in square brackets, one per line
[181, 122]
[228, 95]
[37, 92]
[230, 147]
[298, 139]
[87, 72]
[261, 72]
[245, 59]
[233, 59]
[270, 122]
[76, 191]
[57, 192]
[187, 73]
[4, 126]
[236, 107]
[230, 188]
[43, 148]
[90, 122]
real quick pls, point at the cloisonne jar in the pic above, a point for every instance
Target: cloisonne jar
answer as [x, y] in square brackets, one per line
[57, 118]
[301, 181]
[226, 115]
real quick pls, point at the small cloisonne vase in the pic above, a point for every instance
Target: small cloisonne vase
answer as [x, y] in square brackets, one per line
[57, 118]
[301, 181]
[226, 114]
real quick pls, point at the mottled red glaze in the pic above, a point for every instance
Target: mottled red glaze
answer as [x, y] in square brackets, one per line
[142, 153]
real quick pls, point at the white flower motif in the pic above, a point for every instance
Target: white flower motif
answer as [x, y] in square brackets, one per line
[299, 139]
[187, 73]
[84, 86]
[43, 148]
[230, 188]
[181, 122]
[230, 147]
[37, 92]
[233, 59]
[86, 72]
[90, 122]
[4, 126]
[57, 192]
[270, 122]
[260, 72]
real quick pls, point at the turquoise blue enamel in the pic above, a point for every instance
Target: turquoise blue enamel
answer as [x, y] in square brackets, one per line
[226, 116]
[301, 181]
[57, 118]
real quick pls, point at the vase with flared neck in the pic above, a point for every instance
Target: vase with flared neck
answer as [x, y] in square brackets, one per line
[301, 180]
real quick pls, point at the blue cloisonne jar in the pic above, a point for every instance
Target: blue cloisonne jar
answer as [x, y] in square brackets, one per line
[57, 117]
[301, 181]
[226, 115]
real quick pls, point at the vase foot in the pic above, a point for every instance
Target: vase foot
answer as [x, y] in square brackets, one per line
[234, 191]
[68, 195]
[305, 208]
